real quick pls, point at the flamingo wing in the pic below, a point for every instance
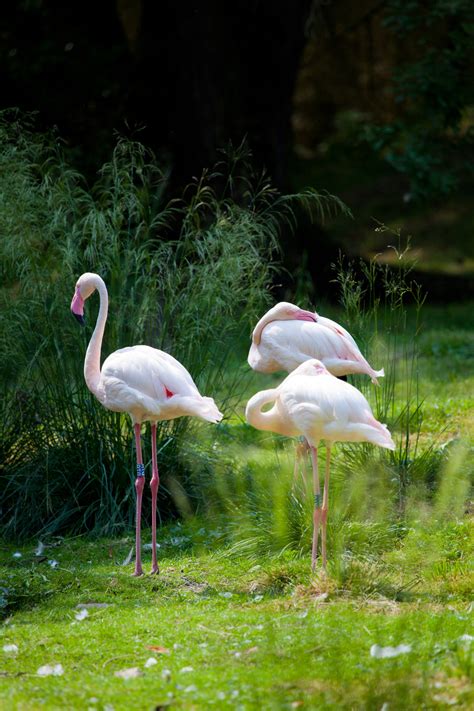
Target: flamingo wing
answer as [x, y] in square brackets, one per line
[284, 344]
[152, 385]
[323, 407]
[141, 377]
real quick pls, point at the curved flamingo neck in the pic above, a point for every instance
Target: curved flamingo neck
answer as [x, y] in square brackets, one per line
[257, 331]
[92, 359]
[269, 421]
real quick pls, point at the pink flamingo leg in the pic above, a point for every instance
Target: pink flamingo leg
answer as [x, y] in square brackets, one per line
[154, 484]
[324, 511]
[317, 506]
[139, 485]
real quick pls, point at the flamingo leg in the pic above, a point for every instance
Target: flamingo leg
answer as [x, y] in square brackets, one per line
[139, 485]
[324, 511]
[300, 456]
[154, 484]
[304, 447]
[317, 506]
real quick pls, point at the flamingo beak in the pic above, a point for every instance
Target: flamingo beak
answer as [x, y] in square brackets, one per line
[77, 307]
[303, 315]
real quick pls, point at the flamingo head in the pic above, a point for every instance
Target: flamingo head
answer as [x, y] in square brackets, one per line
[290, 312]
[85, 286]
[283, 311]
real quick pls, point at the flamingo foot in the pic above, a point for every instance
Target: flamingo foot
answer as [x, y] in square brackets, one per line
[138, 572]
[155, 570]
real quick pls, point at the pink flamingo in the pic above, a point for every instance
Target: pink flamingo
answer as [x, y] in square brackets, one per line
[148, 384]
[286, 336]
[313, 403]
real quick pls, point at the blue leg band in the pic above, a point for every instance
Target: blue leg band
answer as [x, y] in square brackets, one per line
[140, 470]
[318, 501]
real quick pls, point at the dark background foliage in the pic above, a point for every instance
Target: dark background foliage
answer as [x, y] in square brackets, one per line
[372, 100]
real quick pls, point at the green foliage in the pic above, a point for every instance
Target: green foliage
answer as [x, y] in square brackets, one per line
[189, 277]
[431, 141]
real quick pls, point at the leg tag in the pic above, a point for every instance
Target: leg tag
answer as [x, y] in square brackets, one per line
[140, 470]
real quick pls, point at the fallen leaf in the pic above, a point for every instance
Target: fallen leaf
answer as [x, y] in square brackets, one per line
[379, 652]
[166, 675]
[128, 559]
[186, 670]
[10, 648]
[39, 549]
[251, 650]
[53, 563]
[50, 670]
[81, 615]
[321, 598]
[131, 673]
[90, 605]
[159, 650]
[17, 555]
[150, 662]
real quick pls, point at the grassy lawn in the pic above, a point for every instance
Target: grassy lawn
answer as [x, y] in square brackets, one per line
[235, 619]
[231, 633]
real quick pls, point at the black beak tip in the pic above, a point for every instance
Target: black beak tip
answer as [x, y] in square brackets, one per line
[80, 319]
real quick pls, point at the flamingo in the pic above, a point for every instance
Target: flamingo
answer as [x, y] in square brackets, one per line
[287, 336]
[148, 384]
[313, 403]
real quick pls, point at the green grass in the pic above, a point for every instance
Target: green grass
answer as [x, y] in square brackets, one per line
[235, 599]
[256, 635]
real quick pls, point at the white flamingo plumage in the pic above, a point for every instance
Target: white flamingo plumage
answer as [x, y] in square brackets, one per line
[313, 403]
[286, 336]
[148, 384]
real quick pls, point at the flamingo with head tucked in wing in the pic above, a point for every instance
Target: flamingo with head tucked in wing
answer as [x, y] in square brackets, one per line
[148, 384]
[286, 336]
[313, 403]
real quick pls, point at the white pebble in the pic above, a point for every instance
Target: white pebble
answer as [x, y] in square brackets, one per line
[10, 648]
[379, 652]
[50, 670]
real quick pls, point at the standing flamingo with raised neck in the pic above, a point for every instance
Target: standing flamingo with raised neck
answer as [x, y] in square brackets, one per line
[286, 336]
[313, 403]
[148, 384]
